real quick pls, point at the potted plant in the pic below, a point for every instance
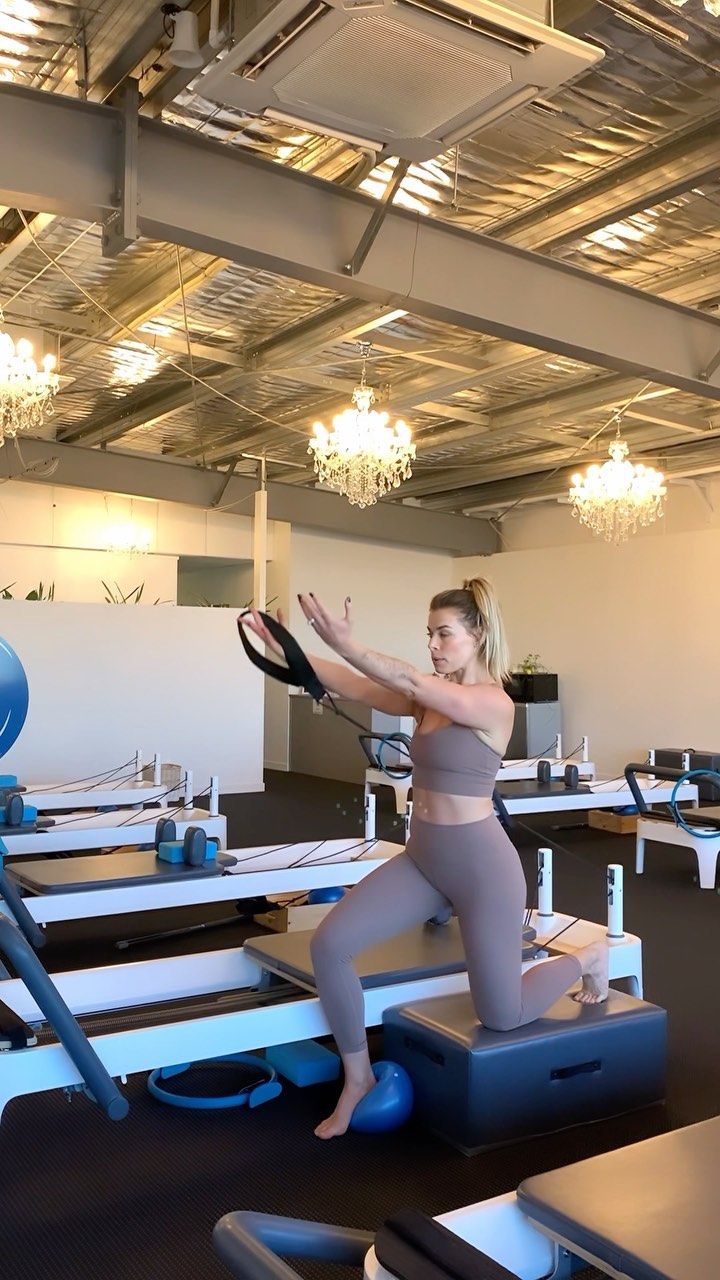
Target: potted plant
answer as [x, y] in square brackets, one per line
[531, 682]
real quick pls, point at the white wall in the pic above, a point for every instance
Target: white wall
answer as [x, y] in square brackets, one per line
[691, 506]
[219, 584]
[59, 535]
[104, 681]
[390, 588]
[79, 575]
[277, 707]
[632, 632]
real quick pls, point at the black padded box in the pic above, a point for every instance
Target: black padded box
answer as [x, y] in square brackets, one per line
[672, 757]
[540, 686]
[478, 1088]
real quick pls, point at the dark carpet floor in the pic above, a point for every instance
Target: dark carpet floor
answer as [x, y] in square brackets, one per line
[82, 1197]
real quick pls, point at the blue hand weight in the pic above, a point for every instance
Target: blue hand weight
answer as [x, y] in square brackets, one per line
[389, 1104]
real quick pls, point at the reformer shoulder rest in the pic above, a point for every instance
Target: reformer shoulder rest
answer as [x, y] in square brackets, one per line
[413, 1246]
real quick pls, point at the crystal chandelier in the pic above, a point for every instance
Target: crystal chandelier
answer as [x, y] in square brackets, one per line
[617, 497]
[26, 392]
[362, 457]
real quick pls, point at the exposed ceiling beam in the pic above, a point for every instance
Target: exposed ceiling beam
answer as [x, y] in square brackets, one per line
[620, 191]
[70, 322]
[685, 460]
[447, 485]
[154, 405]
[150, 477]
[61, 156]
[22, 240]
[152, 290]
[662, 417]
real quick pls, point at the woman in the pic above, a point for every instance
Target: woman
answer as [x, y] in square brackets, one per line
[458, 854]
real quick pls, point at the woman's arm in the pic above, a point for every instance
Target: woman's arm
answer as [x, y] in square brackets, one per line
[349, 684]
[337, 678]
[480, 706]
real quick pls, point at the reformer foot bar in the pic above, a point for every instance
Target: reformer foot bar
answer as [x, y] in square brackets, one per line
[85, 888]
[91, 830]
[510, 771]
[557, 798]
[127, 787]
[645, 1212]
[238, 1005]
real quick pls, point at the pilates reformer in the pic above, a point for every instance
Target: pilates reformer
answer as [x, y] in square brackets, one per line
[644, 1212]
[88, 887]
[199, 1007]
[558, 795]
[697, 828]
[510, 771]
[97, 830]
[126, 786]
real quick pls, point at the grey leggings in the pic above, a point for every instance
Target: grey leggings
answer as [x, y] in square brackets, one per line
[473, 867]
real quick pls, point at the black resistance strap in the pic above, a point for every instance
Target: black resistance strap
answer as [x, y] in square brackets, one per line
[301, 674]
[298, 671]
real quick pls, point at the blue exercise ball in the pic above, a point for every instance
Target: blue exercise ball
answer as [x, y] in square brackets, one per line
[14, 697]
[317, 897]
[389, 1105]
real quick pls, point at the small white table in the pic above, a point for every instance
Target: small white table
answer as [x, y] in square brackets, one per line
[706, 850]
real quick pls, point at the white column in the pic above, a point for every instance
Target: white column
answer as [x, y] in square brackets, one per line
[260, 548]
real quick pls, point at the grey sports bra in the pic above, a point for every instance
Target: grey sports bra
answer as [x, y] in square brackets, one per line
[454, 761]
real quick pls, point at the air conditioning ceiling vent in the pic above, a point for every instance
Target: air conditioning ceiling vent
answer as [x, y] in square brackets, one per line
[406, 77]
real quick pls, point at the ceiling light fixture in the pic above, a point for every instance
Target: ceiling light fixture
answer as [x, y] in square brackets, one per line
[26, 391]
[362, 457]
[182, 26]
[614, 499]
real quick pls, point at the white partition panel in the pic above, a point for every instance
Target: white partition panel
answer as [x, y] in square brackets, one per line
[106, 679]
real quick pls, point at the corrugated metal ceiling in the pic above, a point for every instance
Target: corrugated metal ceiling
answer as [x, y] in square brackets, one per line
[508, 181]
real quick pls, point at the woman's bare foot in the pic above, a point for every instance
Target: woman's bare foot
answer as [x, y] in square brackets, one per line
[594, 961]
[353, 1092]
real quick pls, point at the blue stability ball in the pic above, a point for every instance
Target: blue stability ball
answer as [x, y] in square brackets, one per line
[316, 897]
[389, 1104]
[14, 697]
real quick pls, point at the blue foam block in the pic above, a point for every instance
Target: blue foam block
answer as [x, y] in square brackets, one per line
[170, 851]
[8, 780]
[304, 1062]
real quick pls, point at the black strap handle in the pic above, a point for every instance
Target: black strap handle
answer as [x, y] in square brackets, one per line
[299, 671]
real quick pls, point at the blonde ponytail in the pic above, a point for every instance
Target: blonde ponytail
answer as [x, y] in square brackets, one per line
[477, 603]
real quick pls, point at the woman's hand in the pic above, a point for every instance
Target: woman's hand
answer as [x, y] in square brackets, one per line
[336, 632]
[251, 620]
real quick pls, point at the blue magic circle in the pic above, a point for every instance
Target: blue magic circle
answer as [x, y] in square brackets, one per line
[14, 697]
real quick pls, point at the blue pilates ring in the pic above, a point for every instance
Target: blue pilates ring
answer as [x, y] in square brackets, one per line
[677, 815]
[252, 1095]
[389, 1104]
[14, 697]
[396, 740]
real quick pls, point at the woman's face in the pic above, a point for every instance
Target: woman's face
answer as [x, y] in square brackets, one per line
[450, 643]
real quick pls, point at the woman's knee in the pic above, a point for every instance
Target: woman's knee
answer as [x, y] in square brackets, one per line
[499, 1020]
[498, 1012]
[326, 945]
